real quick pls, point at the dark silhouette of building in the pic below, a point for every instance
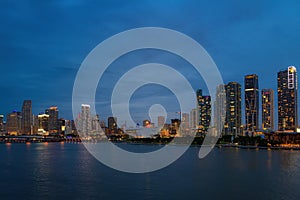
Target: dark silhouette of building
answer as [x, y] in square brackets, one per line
[27, 117]
[267, 109]
[287, 99]
[251, 102]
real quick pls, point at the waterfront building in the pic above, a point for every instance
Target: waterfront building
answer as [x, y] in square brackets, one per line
[27, 117]
[112, 124]
[220, 109]
[85, 120]
[194, 120]
[53, 125]
[267, 109]
[233, 119]
[13, 123]
[287, 89]
[251, 102]
[204, 112]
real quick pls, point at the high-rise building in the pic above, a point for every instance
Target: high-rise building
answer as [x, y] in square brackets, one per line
[194, 120]
[112, 124]
[85, 120]
[185, 123]
[287, 99]
[204, 112]
[27, 117]
[53, 119]
[220, 109]
[1, 123]
[251, 102]
[43, 122]
[233, 119]
[267, 109]
[13, 123]
[161, 121]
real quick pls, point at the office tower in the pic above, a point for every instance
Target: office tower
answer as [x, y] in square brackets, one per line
[1, 123]
[161, 121]
[220, 109]
[287, 99]
[267, 109]
[233, 119]
[27, 117]
[204, 112]
[251, 102]
[53, 119]
[112, 124]
[13, 123]
[194, 120]
[43, 123]
[185, 123]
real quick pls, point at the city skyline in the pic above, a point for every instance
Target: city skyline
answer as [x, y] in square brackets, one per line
[40, 64]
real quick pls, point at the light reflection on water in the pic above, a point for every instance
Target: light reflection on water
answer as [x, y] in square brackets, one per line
[68, 171]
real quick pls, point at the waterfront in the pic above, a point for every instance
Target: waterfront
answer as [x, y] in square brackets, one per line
[68, 171]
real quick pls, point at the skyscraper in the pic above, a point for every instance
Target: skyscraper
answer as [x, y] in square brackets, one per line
[26, 117]
[185, 123]
[13, 123]
[85, 120]
[267, 109]
[287, 99]
[53, 125]
[1, 123]
[251, 102]
[194, 120]
[233, 120]
[204, 112]
[220, 109]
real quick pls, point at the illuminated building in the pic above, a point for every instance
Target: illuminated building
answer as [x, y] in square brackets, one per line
[85, 120]
[233, 119]
[267, 109]
[146, 123]
[220, 109]
[204, 112]
[27, 117]
[13, 123]
[43, 123]
[251, 102]
[112, 124]
[287, 99]
[1, 123]
[53, 119]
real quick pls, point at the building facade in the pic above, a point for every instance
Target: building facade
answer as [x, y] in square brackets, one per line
[287, 88]
[233, 119]
[204, 112]
[267, 109]
[27, 117]
[251, 102]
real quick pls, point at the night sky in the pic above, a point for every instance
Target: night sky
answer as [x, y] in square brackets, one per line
[44, 42]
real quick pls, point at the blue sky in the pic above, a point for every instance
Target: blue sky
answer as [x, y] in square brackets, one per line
[44, 42]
